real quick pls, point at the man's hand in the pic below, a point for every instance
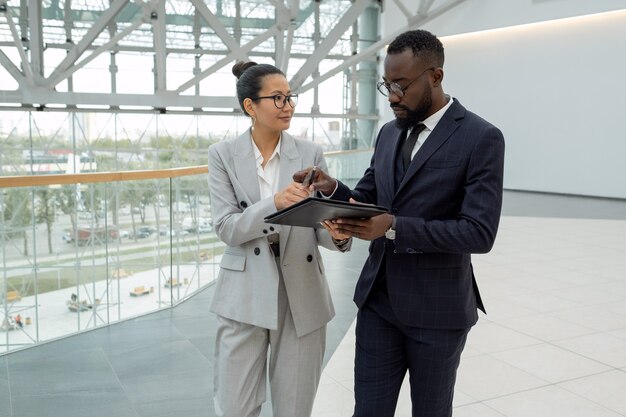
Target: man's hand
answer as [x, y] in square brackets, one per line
[290, 195]
[333, 229]
[321, 181]
[368, 229]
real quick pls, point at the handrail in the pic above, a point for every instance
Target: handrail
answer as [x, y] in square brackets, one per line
[94, 177]
[347, 152]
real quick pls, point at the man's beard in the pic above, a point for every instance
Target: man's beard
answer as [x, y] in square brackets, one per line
[417, 115]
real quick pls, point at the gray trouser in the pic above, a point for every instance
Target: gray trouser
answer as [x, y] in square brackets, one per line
[295, 366]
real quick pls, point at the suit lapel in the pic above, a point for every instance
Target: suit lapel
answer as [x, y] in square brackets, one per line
[245, 166]
[290, 162]
[444, 129]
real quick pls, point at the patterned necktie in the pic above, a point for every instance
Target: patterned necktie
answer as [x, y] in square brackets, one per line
[409, 144]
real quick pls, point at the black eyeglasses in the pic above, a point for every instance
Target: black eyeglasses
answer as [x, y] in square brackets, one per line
[386, 88]
[281, 100]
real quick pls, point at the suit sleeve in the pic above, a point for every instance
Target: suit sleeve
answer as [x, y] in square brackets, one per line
[323, 237]
[233, 225]
[475, 226]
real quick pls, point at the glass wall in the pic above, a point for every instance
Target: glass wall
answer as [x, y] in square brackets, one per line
[81, 255]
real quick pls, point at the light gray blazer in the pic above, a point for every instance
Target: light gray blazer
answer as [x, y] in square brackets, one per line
[247, 284]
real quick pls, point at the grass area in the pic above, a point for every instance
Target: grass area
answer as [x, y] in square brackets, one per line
[165, 244]
[66, 276]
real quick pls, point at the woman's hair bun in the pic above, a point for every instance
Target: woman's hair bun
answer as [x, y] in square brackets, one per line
[240, 67]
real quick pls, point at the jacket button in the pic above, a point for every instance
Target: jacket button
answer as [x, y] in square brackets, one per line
[309, 258]
[272, 228]
[265, 231]
[394, 211]
[257, 251]
[243, 204]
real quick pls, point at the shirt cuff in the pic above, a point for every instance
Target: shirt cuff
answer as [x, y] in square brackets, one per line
[321, 194]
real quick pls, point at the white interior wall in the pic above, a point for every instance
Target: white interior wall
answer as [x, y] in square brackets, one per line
[556, 89]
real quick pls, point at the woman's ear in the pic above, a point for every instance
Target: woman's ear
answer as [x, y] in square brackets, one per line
[248, 106]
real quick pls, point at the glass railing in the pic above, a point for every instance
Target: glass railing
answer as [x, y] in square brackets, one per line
[348, 166]
[87, 250]
[80, 251]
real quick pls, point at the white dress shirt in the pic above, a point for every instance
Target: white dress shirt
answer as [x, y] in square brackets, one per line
[430, 124]
[267, 176]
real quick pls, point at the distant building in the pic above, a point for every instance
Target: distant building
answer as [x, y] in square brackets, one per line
[53, 161]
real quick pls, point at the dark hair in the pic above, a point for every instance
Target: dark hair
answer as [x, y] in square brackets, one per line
[424, 45]
[249, 79]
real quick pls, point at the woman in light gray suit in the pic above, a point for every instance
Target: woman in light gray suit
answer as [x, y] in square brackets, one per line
[271, 292]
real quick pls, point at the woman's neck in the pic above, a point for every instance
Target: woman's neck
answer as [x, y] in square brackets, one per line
[265, 139]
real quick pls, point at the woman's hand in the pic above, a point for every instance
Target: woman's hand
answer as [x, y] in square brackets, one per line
[290, 195]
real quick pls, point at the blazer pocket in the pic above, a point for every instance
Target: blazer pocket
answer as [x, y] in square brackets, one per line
[442, 163]
[233, 262]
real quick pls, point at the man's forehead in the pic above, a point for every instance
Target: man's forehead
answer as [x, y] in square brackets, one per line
[398, 66]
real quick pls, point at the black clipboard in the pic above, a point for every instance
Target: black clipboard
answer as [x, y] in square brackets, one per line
[311, 211]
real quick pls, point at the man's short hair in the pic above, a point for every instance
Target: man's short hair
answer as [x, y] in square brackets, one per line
[424, 45]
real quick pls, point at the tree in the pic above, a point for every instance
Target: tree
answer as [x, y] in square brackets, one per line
[44, 211]
[66, 198]
[18, 213]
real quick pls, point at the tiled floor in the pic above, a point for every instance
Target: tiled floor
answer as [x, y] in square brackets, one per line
[552, 345]
[554, 341]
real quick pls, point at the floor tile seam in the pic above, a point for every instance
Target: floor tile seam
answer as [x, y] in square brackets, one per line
[571, 321]
[509, 394]
[341, 383]
[477, 402]
[555, 293]
[209, 362]
[543, 340]
[613, 367]
[606, 371]
[549, 342]
[589, 399]
[491, 356]
[568, 219]
[80, 391]
[121, 385]
[551, 293]
[539, 341]
[546, 386]
[9, 388]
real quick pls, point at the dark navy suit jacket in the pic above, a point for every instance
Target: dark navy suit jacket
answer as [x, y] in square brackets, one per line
[447, 207]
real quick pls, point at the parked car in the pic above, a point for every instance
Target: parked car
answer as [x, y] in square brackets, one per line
[205, 228]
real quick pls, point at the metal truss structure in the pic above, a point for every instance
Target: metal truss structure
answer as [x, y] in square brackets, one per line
[183, 46]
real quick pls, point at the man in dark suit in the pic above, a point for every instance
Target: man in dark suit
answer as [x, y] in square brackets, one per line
[417, 295]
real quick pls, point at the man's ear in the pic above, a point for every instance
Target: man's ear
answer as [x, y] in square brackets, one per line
[437, 76]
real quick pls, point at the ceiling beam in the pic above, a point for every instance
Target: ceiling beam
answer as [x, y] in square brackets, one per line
[239, 53]
[157, 17]
[215, 24]
[102, 48]
[330, 40]
[92, 34]
[35, 29]
[13, 70]
[17, 39]
[416, 21]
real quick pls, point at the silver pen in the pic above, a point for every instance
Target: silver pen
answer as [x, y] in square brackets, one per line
[309, 179]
